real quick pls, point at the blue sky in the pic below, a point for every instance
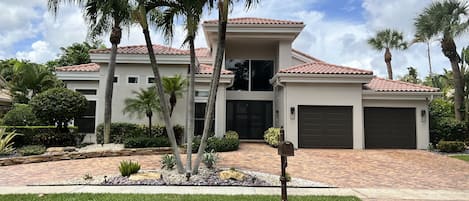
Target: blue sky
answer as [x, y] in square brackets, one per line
[336, 31]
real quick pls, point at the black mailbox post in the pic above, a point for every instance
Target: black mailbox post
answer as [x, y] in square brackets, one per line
[285, 149]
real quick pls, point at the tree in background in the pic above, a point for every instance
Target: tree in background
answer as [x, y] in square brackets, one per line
[388, 39]
[75, 54]
[446, 20]
[20, 115]
[174, 87]
[411, 76]
[146, 102]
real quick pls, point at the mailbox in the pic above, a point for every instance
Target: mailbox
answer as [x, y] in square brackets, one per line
[285, 148]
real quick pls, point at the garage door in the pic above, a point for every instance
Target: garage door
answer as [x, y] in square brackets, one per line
[325, 127]
[390, 128]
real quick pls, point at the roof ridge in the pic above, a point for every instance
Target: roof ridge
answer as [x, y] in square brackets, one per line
[406, 83]
[255, 18]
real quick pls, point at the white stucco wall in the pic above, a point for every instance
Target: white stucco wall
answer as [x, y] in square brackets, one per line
[296, 94]
[422, 123]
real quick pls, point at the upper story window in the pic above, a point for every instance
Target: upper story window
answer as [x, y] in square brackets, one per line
[116, 79]
[251, 75]
[150, 80]
[132, 79]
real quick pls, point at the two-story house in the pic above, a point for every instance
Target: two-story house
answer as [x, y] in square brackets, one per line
[267, 83]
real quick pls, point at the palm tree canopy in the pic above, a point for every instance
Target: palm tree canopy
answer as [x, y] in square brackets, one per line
[174, 85]
[447, 19]
[388, 38]
[145, 102]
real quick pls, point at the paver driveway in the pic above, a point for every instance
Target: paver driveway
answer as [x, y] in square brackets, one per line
[341, 168]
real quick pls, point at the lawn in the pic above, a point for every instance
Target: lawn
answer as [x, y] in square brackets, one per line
[464, 157]
[140, 197]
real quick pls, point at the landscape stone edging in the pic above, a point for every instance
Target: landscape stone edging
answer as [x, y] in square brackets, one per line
[84, 155]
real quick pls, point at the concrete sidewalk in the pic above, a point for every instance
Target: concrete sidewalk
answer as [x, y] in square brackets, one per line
[363, 193]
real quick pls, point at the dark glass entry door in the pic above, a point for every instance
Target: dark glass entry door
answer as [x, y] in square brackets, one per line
[86, 123]
[249, 118]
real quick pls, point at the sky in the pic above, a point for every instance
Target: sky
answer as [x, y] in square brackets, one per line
[336, 31]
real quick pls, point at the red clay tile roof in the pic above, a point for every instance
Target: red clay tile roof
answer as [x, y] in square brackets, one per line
[208, 69]
[201, 52]
[255, 20]
[306, 55]
[142, 49]
[384, 85]
[90, 67]
[324, 68]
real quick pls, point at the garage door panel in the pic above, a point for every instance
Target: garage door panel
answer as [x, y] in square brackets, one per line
[325, 127]
[390, 128]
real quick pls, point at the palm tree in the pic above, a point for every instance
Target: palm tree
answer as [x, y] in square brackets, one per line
[30, 79]
[145, 103]
[223, 10]
[191, 11]
[104, 16]
[140, 14]
[447, 20]
[423, 38]
[174, 87]
[388, 39]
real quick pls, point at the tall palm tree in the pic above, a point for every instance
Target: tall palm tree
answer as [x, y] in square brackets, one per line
[145, 103]
[447, 20]
[388, 39]
[423, 38]
[191, 11]
[223, 10]
[30, 79]
[142, 10]
[104, 16]
[174, 87]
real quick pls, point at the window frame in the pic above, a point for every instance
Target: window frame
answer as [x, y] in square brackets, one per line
[250, 72]
[133, 76]
[148, 79]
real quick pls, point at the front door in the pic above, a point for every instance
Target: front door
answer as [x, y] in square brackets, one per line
[86, 123]
[249, 118]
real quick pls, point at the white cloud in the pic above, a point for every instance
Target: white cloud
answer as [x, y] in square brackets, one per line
[40, 52]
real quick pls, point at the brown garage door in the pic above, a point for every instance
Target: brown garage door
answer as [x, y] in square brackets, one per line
[325, 127]
[390, 128]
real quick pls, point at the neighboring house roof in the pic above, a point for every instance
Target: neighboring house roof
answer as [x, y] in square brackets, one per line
[201, 52]
[254, 20]
[324, 68]
[384, 85]
[208, 69]
[89, 67]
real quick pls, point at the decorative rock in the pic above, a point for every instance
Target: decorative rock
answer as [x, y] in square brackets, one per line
[231, 174]
[145, 176]
[61, 149]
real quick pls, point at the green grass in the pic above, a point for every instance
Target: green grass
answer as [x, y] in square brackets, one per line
[464, 157]
[168, 197]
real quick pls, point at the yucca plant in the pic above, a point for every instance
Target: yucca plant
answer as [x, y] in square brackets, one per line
[168, 162]
[210, 159]
[6, 146]
[128, 167]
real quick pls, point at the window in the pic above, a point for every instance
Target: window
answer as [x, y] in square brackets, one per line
[150, 80]
[116, 79]
[199, 93]
[132, 79]
[251, 75]
[86, 91]
[200, 119]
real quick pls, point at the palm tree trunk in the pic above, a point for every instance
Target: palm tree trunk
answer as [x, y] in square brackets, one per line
[448, 48]
[172, 103]
[149, 124]
[210, 107]
[163, 100]
[115, 38]
[190, 107]
[387, 59]
[429, 60]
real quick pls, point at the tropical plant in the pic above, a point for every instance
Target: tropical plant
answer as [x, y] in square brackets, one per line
[145, 103]
[446, 20]
[168, 162]
[411, 76]
[223, 10]
[128, 168]
[423, 37]
[210, 159]
[140, 14]
[174, 87]
[30, 150]
[75, 54]
[6, 144]
[20, 115]
[58, 106]
[388, 39]
[272, 136]
[104, 17]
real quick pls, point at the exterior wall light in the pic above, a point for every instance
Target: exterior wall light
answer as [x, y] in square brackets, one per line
[292, 113]
[423, 114]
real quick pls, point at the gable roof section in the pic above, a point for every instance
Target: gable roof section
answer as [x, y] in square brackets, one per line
[255, 20]
[89, 67]
[324, 68]
[208, 70]
[383, 85]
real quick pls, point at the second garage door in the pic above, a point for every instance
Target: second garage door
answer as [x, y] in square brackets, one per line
[325, 127]
[390, 128]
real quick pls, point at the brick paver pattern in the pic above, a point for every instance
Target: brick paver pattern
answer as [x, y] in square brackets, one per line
[415, 169]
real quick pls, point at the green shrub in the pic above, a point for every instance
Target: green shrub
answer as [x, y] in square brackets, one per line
[451, 146]
[128, 167]
[210, 159]
[448, 129]
[32, 150]
[6, 143]
[20, 115]
[49, 136]
[122, 131]
[168, 162]
[231, 135]
[143, 142]
[271, 136]
[217, 144]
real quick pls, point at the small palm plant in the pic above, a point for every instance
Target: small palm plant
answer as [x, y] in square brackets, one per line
[145, 103]
[174, 87]
[6, 146]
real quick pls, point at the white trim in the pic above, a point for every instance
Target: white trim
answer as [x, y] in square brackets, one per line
[374, 95]
[132, 76]
[320, 78]
[78, 76]
[207, 78]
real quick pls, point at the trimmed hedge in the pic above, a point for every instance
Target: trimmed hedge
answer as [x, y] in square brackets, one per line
[144, 142]
[48, 136]
[30, 150]
[122, 131]
[227, 143]
[451, 146]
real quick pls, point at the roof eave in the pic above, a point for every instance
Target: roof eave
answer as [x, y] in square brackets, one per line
[370, 94]
[322, 78]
